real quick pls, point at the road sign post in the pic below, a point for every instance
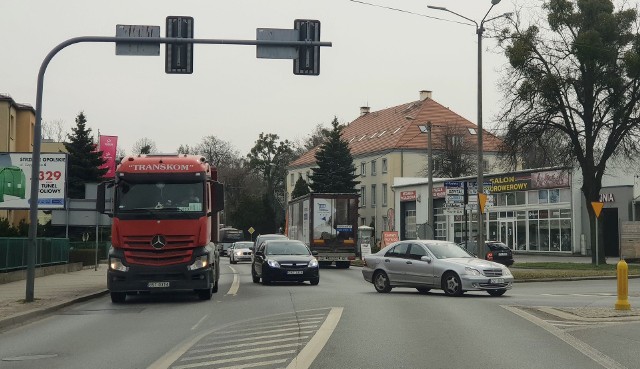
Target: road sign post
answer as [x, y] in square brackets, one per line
[597, 208]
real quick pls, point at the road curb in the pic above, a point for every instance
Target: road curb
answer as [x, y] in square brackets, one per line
[570, 279]
[28, 316]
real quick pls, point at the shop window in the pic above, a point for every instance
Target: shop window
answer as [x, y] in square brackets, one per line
[555, 213]
[565, 235]
[533, 197]
[511, 198]
[533, 234]
[521, 235]
[565, 213]
[554, 196]
[493, 216]
[533, 214]
[543, 234]
[554, 235]
[521, 198]
[543, 196]
[501, 200]
[543, 214]
[521, 214]
[565, 195]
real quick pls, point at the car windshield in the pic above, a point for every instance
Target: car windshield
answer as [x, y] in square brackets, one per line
[447, 250]
[287, 248]
[243, 245]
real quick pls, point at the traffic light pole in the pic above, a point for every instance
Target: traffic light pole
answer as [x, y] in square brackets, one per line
[37, 130]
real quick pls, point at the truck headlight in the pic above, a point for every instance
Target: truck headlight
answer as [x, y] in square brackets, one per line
[201, 261]
[273, 263]
[313, 263]
[116, 264]
[472, 271]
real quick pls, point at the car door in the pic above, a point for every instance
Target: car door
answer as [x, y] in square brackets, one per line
[419, 272]
[395, 263]
[258, 260]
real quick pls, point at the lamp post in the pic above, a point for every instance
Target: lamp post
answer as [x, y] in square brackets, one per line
[479, 32]
[427, 129]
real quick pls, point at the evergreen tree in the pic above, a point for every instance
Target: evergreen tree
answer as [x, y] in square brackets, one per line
[84, 159]
[301, 188]
[335, 172]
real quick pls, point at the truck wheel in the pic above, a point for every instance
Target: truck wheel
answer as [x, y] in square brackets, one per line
[205, 294]
[118, 297]
[214, 289]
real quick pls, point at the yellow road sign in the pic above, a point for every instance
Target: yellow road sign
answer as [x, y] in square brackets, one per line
[597, 207]
[251, 230]
[482, 200]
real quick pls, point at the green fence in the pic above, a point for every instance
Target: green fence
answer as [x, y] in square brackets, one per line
[13, 252]
[103, 248]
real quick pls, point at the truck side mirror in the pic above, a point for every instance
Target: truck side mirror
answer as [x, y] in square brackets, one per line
[101, 198]
[218, 196]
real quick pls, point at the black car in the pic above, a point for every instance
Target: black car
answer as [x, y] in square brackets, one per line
[284, 260]
[493, 250]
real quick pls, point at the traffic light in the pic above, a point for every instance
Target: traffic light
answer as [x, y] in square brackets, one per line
[308, 60]
[179, 57]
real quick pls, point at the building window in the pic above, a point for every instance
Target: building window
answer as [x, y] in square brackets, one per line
[292, 181]
[363, 196]
[457, 140]
[384, 165]
[363, 169]
[384, 194]
[363, 221]
[373, 167]
[485, 165]
[373, 196]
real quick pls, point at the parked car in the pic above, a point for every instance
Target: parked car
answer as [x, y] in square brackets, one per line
[428, 264]
[493, 251]
[284, 260]
[240, 251]
[272, 236]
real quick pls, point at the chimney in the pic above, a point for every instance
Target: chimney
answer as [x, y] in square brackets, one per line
[425, 94]
[364, 110]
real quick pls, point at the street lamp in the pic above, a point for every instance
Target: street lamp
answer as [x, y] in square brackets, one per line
[479, 32]
[427, 129]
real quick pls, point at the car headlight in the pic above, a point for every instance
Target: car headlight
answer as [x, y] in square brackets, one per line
[472, 271]
[506, 272]
[313, 263]
[201, 262]
[238, 253]
[116, 264]
[273, 263]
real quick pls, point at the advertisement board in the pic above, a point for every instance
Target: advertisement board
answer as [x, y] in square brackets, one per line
[15, 181]
[323, 214]
[108, 146]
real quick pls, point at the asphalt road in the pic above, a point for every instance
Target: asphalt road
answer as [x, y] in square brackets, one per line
[342, 320]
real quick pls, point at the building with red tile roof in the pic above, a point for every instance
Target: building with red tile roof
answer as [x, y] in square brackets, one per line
[388, 143]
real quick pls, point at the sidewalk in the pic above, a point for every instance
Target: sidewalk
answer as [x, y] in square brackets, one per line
[51, 292]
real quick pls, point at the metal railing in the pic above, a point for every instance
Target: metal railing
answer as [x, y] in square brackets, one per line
[13, 252]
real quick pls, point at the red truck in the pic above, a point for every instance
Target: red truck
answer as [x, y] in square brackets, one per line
[165, 223]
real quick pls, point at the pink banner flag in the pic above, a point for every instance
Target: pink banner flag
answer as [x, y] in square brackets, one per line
[108, 146]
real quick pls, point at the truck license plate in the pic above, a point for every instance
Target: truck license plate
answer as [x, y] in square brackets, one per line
[157, 284]
[294, 272]
[496, 280]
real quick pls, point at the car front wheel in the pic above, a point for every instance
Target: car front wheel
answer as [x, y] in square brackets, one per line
[451, 284]
[381, 282]
[254, 276]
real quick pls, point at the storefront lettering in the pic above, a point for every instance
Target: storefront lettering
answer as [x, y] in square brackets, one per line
[509, 184]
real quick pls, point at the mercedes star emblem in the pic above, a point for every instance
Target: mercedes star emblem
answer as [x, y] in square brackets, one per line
[158, 242]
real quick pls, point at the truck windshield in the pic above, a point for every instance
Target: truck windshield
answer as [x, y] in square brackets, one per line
[183, 197]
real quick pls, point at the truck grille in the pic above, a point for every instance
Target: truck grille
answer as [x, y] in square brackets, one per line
[177, 250]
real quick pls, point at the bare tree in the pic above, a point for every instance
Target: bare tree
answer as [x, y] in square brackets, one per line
[455, 156]
[218, 152]
[144, 145]
[54, 130]
[543, 147]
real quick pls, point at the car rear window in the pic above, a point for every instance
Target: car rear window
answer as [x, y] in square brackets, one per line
[495, 246]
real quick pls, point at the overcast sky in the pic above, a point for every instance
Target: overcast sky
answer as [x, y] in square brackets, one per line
[379, 58]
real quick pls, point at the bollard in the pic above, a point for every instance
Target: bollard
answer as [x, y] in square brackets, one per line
[623, 286]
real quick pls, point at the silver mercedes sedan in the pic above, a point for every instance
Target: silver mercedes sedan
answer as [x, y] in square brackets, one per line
[428, 264]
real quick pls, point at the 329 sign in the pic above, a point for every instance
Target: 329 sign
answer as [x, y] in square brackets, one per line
[49, 175]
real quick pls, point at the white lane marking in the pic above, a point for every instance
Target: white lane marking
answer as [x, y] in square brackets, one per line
[233, 290]
[253, 365]
[229, 353]
[224, 361]
[248, 344]
[582, 347]
[228, 336]
[312, 349]
[199, 321]
[258, 338]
